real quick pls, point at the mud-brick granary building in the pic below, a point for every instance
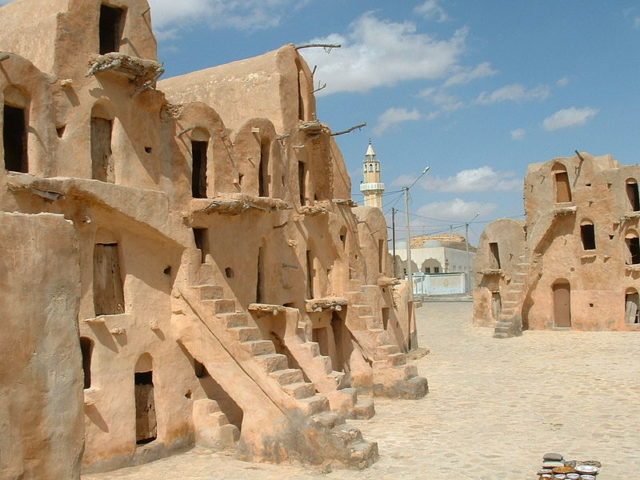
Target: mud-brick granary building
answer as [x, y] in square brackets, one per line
[180, 262]
[575, 261]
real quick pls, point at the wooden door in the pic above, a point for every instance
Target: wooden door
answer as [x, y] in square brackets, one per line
[562, 304]
[101, 159]
[108, 294]
[146, 424]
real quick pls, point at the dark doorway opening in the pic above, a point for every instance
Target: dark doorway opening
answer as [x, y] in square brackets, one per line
[108, 292]
[201, 238]
[263, 170]
[199, 169]
[632, 307]
[588, 235]
[101, 154]
[310, 275]
[146, 422]
[381, 252]
[86, 347]
[302, 173]
[633, 195]
[260, 277]
[563, 189]
[633, 245]
[111, 26]
[340, 336]
[385, 317]
[494, 255]
[14, 135]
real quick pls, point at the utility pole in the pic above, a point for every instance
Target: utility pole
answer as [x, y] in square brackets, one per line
[466, 241]
[408, 222]
[393, 241]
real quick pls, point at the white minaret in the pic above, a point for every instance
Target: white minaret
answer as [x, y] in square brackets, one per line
[372, 187]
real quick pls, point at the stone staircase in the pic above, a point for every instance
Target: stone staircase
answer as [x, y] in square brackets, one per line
[392, 376]
[510, 320]
[320, 435]
[212, 427]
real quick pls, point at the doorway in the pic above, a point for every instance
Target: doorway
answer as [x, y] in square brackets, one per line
[146, 423]
[496, 305]
[562, 304]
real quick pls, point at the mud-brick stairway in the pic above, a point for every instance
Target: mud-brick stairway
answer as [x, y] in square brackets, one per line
[209, 321]
[510, 319]
[392, 376]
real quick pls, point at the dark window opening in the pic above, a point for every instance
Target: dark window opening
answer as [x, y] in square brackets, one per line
[199, 370]
[632, 307]
[111, 23]
[302, 173]
[263, 170]
[436, 269]
[101, 154]
[86, 347]
[108, 292]
[199, 170]
[633, 196]
[201, 238]
[563, 189]
[385, 317]
[380, 256]
[494, 255]
[310, 274]
[14, 135]
[633, 244]
[240, 178]
[587, 232]
[260, 277]
[146, 423]
[228, 272]
[60, 130]
[148, 150]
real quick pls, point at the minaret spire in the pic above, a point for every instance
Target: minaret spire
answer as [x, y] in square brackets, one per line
[372, 186]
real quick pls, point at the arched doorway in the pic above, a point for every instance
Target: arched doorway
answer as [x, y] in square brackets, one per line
[562, 304]
[146, 422]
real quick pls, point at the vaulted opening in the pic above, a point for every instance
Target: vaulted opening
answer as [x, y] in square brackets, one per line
[632, 195]
[302, 91]
[260, 283]
[102, 167]
[381, 252]
[341, 336]
[563, 188]
[146, 421]
[111, 27]
[14, 136]
[263, 169]
[562, 303]
[343, 237]
[633, 248]
[201, 238]
[588, 235]
[108, 292]
[494, 256]
[632, 307]
[385, 317]
[496, 305]
[86, 347]
[199, 168]
[302, 180]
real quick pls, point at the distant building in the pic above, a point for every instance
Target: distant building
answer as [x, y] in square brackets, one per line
[372, 187]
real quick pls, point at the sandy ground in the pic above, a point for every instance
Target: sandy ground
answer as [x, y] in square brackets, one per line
[494, 408]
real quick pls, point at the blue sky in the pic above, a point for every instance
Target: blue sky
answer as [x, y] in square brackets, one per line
[476, 90]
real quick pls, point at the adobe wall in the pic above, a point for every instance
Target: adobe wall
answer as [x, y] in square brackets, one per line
[41, 432]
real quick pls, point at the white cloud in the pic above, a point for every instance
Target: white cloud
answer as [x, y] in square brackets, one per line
[431, 10]
[636, 22]
[563, 82]
[446, 101]
[518, 134]
[569, 117]
[513, 93]
[482, 179]
[456, 209]
[466, 75]
[170, 16]
[394, 116]
[378, 52]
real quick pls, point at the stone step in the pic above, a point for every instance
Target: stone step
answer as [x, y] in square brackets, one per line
[232, 320]
[396, 359]
[363, 454]
[315, 404]
[206, 274]
[209, 292]
[347, 435]
[288, 376]
[383, 351]
[300, 390]
[218, 419]
[245, 334]
[364, 408]
[327, 419]
[272, 362]
[259, 347]
[326, 361]
[312, 347]
[223, 305]
[342, 379]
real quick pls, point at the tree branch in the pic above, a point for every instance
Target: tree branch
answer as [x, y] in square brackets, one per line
[326, 46]
[349, 130]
